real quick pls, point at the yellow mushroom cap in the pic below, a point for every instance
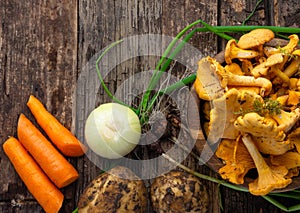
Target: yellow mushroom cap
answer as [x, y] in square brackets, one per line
[255, 38]
[237, 160]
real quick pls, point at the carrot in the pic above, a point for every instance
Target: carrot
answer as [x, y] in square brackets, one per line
[36, 181]
[63, 139]
[57, 168]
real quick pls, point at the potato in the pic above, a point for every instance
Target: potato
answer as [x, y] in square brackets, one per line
[178, 192]
[118, 190]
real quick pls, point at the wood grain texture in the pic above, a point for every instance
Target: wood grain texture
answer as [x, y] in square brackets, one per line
[46, 46]
[38, 50]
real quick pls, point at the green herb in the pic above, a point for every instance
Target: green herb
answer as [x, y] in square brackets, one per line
[269, 106]
[285, 52]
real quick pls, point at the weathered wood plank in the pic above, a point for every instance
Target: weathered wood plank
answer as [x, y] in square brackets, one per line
[38, 50]
[41, 54]
[286, 13]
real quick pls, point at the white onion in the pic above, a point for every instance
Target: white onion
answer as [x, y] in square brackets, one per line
[112, 130]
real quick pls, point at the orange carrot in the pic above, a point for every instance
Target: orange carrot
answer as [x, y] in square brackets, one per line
[36, 181]
[57, 168]
[63, 139]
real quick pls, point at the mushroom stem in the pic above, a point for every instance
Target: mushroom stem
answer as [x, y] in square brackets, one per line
[292, 68]
[288, 49]
[232, 52]
[269, 178]
[229, 79]
[283, 76]
[259, 161]
[263, 83]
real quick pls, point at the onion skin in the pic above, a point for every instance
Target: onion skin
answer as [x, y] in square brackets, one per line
[112, 130]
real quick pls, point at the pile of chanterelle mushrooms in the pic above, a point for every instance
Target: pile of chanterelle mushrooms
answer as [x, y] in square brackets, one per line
[255, 93]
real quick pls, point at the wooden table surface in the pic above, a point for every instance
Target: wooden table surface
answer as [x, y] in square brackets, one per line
[44, 46]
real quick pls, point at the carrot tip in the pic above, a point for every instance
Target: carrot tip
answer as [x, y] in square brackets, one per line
[62, 137]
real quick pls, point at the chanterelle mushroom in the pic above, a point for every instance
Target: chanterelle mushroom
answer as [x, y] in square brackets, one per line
[255, 38]
[294, 138]
[293, 99]
[234, 68]
[263, 68]
[237, 160]
[286, 120]
[269, 177]
[293, 67]
[290, 47]
[268, 138]
[290, 160]
[232, 52]
[287, 50]
[287, 53]
[225, 110]
[201, 92]
[229, 79]
[207, 84]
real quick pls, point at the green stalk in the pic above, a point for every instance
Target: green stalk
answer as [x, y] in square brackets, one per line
[293, 208]
[99, 73]
[275, 203]
[291, 194]
[164, 68]
[156, 76]
[177, 50]
[214, 30]
[280, 205]
[187, 80]
[101, 79]
[238, 29]
[252, 13]
[191, 78]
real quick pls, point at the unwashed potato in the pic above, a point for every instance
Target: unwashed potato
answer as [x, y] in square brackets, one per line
[118, 190]
[178, 192]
